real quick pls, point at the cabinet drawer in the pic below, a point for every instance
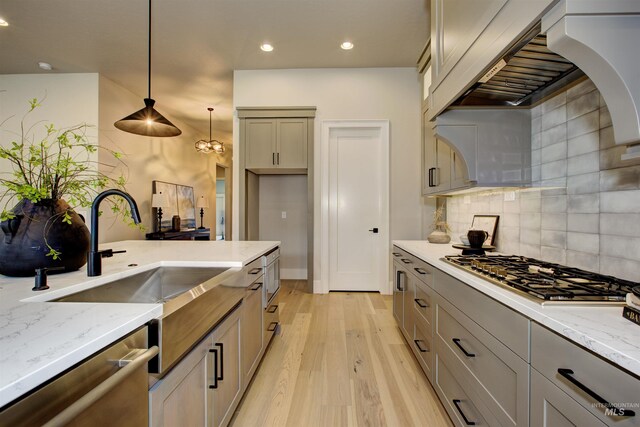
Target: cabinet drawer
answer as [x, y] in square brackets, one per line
[502, 378]
[422, 346]
[552, 407]
[511, 328]
[461, 409]
[578, 373]
[423, 303]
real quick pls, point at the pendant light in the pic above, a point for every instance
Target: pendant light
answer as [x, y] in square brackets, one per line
[212, 145]
[148, 121]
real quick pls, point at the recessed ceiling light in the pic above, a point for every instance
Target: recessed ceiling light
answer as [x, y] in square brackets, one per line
[45, 66]
[266, 47]
[346, 45]
[3, 23]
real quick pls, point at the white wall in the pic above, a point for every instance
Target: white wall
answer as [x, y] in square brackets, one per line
[72, 99]
[285, 193]
[66, 100]
[166, 159]
[392, 94]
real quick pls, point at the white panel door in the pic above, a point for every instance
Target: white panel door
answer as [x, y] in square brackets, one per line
[358, 208]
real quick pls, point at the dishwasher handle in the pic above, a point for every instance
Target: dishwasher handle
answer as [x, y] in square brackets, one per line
[80, 405]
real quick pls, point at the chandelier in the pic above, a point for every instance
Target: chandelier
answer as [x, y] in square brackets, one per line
[211, 145]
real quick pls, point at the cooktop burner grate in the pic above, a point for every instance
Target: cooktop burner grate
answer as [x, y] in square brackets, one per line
[545, 281]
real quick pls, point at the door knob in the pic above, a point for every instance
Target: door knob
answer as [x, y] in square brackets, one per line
[375, 230]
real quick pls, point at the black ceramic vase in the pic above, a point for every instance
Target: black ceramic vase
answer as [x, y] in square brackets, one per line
[22, 239]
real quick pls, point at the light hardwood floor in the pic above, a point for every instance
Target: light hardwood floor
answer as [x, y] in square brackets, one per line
[340, 360]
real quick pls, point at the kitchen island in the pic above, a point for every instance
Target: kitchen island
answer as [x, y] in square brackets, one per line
[40, 339]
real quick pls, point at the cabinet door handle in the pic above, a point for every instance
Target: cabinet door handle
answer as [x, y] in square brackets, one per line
[406, 261]
[255, 271]
[274, 324]
[421, 303]
[456, 341]
[617, 411]
[456, 403]
[422, 350]
[221, 347]
[273, 159]
[278, 159]
[399, 280]
[256, 287]
[215, 368]
[421, 271]
[430, 177]
[272, 309]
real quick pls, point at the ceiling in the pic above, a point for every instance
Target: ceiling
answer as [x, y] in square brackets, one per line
[198, 43]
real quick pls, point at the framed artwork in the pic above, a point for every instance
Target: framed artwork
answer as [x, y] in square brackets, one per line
[488, 223]
[180, 201]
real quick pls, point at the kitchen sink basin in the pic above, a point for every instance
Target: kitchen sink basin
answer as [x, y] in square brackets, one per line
[159, 285]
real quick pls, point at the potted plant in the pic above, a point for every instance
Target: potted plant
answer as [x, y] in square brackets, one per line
[440, 227]
[54, 171]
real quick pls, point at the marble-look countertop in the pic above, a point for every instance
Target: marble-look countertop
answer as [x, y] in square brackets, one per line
[601, 329]
[40, 339]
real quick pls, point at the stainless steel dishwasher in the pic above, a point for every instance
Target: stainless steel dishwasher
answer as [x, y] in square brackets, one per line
[108, 388]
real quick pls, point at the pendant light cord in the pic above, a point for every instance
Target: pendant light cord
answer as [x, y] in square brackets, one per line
[210, 110]
[149, 76]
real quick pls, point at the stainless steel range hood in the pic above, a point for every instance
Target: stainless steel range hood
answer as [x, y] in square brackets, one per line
[596, 38]
[526, 74]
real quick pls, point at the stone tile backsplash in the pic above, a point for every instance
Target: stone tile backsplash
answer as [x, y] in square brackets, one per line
[581, 216]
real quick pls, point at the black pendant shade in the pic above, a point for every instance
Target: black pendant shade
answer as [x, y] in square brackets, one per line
[148, 121]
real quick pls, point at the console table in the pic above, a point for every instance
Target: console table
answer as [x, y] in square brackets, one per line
[190, 234]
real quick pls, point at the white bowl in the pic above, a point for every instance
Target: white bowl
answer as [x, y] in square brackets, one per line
[464, 240]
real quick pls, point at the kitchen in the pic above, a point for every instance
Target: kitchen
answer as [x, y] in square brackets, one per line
[567, 224]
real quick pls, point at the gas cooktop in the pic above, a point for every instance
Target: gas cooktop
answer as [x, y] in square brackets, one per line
[545, 282]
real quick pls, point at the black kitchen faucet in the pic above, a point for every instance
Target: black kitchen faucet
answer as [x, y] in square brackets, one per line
[94, 257]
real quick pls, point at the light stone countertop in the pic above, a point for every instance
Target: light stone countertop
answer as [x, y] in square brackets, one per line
[602, 330]
[40, 339]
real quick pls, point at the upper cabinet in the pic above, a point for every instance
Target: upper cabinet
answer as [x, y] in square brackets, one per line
[276, 143]
[468, 36]
[275, 140]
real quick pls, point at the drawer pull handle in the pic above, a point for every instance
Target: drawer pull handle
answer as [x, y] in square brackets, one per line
[421, 303]
[617, 411]
[456, 341]
[456, 403]
[421, 271]
[422, 350]
[256, 287]
[406, 261]
[274, 324]
[396, 254]
[255, 270]
[272, 309]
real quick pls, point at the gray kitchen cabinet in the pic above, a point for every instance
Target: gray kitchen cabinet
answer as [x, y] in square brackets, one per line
[494, 376]
[205, 387]
[403, 292]
[412, 306]
[443, 169]
[226, 390]
[469, 36]
[551, 407]
[583, 378]
[252, 330]
[279, 143]
[436, 160]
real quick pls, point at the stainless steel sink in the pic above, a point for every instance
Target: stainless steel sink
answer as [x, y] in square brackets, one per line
[159, 285]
